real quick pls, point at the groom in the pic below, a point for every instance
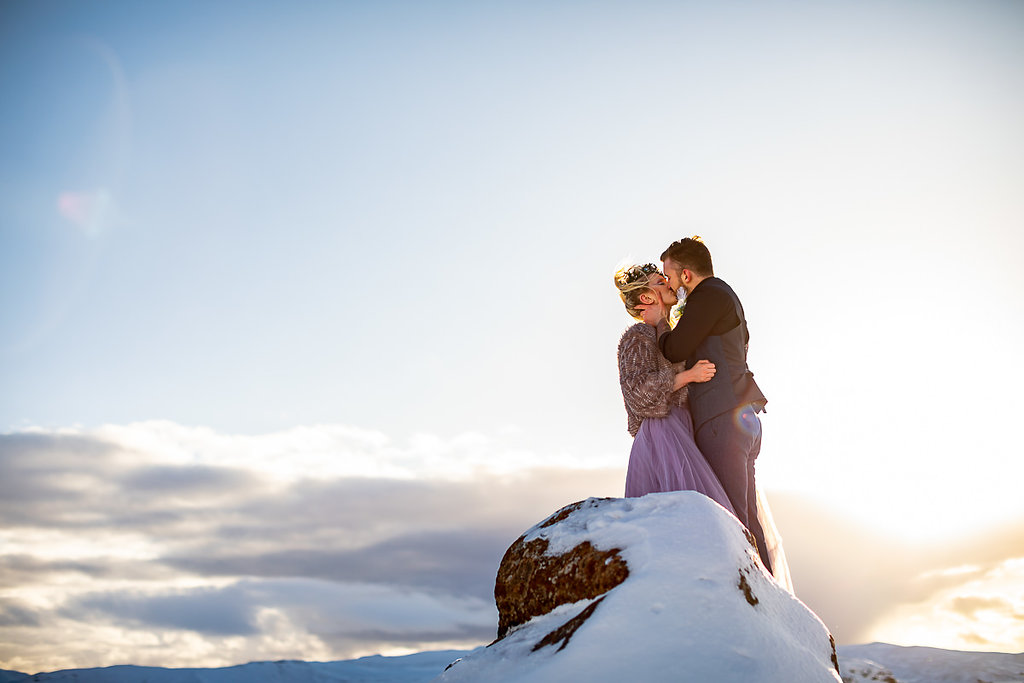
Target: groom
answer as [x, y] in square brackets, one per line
[712, 326]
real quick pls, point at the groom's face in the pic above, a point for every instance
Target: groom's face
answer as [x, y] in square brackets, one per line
[674, 273]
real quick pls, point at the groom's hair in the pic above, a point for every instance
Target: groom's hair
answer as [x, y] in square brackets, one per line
[690, 253]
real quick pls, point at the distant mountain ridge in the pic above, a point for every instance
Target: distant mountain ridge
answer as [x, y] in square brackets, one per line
[883, 662]
[414, 668]
[858, 663]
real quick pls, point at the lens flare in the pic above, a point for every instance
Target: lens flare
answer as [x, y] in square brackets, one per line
[747, 421]
[90, 211]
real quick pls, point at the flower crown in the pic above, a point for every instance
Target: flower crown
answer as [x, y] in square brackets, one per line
[635, 273]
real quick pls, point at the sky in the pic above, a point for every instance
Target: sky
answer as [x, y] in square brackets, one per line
[306, 312]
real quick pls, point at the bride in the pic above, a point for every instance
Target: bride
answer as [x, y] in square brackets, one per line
[664, 456]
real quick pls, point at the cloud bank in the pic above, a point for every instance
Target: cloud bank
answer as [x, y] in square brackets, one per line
[157, 544]
[163, 545]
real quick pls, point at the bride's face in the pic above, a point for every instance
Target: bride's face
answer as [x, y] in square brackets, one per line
[659, 284]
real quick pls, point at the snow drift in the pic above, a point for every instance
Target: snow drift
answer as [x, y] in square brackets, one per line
[695, 604]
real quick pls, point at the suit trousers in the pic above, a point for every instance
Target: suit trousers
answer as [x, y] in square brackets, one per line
[731, 443]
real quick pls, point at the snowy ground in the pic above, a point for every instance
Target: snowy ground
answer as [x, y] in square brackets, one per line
[928, 665]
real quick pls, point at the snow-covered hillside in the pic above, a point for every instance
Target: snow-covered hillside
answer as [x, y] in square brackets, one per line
[883, 662]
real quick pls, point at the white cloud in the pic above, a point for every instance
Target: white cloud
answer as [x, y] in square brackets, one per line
[156, 543]
[330, 451]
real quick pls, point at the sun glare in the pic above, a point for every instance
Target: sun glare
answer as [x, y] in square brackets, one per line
[984, 613]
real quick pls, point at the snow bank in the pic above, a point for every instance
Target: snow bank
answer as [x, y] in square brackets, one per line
[697, 606]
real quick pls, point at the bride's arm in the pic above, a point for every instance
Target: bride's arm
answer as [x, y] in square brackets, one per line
[646, 382]
[703, 371]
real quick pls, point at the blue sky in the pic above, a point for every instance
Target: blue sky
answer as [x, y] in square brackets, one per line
[383, 235]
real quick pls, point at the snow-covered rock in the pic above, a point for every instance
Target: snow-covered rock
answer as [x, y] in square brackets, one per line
[695, 604]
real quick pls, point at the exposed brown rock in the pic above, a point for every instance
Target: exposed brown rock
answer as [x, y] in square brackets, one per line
[563, 633]
[748, 592]
[531, 583]
[564, 513]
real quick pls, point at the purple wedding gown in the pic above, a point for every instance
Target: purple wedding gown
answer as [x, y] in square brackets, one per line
[665, 458]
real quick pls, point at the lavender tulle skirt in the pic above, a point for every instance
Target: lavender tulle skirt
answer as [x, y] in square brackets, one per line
[666, 458]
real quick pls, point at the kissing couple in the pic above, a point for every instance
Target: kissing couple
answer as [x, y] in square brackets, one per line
[691, 401]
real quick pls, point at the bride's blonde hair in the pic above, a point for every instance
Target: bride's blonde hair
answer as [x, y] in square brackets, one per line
[632, 282]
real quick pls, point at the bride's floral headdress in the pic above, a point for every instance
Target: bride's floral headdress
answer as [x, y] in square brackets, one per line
[628, 276]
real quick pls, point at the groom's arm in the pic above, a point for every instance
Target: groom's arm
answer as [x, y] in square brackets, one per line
[707, 312]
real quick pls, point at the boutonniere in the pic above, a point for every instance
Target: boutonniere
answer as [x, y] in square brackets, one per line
[676, 312]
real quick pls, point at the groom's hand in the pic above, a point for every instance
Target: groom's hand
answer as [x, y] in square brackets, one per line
[653, 314]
